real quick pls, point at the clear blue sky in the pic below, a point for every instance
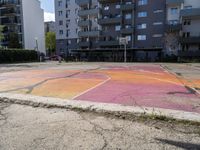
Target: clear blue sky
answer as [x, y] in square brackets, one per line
[48, 5]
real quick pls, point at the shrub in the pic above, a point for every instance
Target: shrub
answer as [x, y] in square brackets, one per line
[17, 55]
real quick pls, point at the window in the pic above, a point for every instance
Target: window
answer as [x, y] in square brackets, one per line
[128, 26]
[141, 37]
[67, 13]
[67, 33]
[128, 16]
[157, 35]
[61, 32]
[157, 23]
[142, 26]
[174, 11]
[117, 6]
[187, 22]
[60, 22]
[142, 14]
[117, 28]
[142, 2]
[129, 38]
[106, 7]
[173, 22]
[60, 13]
[59, 3]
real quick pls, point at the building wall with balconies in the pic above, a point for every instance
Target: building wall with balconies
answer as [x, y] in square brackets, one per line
[26, 19]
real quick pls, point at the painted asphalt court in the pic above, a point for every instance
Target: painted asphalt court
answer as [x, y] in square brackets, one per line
[130, 85]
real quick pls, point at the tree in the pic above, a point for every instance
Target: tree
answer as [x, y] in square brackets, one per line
[50, 41]
[14, 41]
[1, 33]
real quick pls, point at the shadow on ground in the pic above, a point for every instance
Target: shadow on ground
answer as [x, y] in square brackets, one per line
[183, 145]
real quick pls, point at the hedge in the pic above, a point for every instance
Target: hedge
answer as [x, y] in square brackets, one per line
[17, 55]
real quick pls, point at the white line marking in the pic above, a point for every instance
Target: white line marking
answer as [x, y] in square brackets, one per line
[109, 78]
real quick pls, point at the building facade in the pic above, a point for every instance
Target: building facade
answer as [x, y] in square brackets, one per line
[182, 31]
[154, 29]
[24, 19]
[66, 16]
[50, 26]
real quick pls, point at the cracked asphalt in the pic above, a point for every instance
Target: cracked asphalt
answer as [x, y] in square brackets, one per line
[25, 127]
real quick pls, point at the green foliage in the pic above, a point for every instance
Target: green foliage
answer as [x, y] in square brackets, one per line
[50, 41]
[1, 33]
[14, 41]
[17, 55]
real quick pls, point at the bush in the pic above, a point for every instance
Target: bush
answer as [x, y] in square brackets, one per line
[17, 55]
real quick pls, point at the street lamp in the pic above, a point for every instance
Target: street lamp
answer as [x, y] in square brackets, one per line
[36, 42]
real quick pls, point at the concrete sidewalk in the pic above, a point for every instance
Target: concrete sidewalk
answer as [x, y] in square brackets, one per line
[103, 108]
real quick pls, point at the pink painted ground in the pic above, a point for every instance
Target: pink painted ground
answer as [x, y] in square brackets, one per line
[145, 93]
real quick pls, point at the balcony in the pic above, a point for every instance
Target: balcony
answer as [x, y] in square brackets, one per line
[174, 2]
[190, 40]
[110, 21]
[190, 12]
[83, 2]
[125, 7]
[109, 1]
[84, 44]
[173, 28]
[9, 4]
[89, 33]
[108, 43]
[94, 11]
[127, 31]
[189, 53]
[84, 23]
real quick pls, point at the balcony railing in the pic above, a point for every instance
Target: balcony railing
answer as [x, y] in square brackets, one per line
[109, 1]
[127, 30]
[94, 33]
[190, 12]
[108, 43]
[128, 6]
[173, 28]
[189, 53]
[174, 2]
[93, 11]
[83, 23]
[84, 44]
[190, 40]
[109, 20]
[9, 3]
[82, 2]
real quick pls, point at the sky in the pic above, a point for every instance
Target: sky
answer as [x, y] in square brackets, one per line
[48, 6]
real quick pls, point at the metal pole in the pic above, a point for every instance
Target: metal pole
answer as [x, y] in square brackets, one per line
[125, 57]
[36, 44]
[36, 41]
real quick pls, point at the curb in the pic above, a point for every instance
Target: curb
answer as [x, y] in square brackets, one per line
[103, 108]
[174, 74]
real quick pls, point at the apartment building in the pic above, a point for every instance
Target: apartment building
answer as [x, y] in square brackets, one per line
[154, 29]
[26, 20]
[66, 15]
[182, 32]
